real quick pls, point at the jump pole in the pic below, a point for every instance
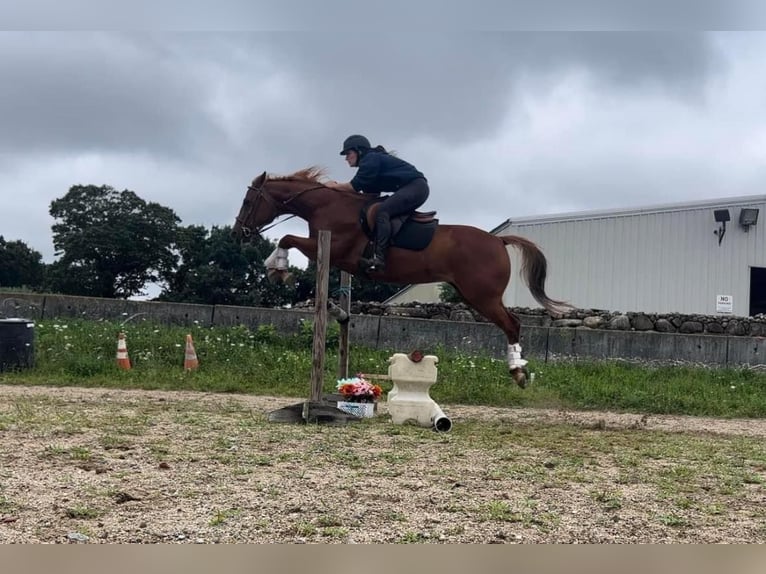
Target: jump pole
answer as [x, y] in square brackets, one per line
[320, 316]
[344, 301]
[317, 409]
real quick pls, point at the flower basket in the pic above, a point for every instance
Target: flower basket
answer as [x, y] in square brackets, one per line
[359, 396]
[361, 410]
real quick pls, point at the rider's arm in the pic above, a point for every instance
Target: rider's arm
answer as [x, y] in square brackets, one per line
[366, 178]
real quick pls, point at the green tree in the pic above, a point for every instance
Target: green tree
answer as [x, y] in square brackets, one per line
[448, 294]
[217, 270]
[111, 242]
[362, 288]
[20, 266]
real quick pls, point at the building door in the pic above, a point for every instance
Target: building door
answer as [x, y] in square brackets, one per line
[757, 290]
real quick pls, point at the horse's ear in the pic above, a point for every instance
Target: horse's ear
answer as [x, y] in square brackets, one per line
[258, 181]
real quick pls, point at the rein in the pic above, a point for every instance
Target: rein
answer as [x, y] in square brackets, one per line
[260, 193]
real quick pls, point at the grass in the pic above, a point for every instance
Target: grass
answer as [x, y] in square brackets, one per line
[82, 512]
[240, 360]
[220, 517]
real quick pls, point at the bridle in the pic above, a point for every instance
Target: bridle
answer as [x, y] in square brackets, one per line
[260, 193]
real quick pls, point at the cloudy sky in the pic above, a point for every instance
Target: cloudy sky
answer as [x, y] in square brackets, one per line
[504, 124]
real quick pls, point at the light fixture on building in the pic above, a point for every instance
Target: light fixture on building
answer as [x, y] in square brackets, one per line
[721, 216]
[748, 216]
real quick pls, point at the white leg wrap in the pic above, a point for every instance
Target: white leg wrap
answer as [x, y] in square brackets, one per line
[277, 260]
[514, 357]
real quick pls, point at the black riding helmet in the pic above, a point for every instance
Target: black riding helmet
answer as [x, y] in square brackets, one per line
[355, 142]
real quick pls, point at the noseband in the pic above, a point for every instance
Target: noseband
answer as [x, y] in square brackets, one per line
[252, 205]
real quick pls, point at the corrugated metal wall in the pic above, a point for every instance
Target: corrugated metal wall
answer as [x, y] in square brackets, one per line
[660, 261]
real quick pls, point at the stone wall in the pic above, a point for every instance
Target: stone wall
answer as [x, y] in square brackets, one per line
[31, 305]
[586, 318]
[599, 335]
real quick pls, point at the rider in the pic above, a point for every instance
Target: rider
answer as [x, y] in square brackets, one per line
[378, 172]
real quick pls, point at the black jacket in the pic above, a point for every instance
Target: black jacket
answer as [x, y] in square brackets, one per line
[380, 172]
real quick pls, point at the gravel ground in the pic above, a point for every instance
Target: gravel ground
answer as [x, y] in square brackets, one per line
[110, 466]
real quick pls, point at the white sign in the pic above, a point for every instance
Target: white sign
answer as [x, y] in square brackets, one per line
[724, 304]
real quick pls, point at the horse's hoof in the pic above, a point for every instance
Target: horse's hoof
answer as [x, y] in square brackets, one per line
[520, 376]
[280, 276]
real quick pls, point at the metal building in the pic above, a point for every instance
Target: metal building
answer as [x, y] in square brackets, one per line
[704, 257]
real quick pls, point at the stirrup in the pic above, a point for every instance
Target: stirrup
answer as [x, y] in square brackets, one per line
[374, 264]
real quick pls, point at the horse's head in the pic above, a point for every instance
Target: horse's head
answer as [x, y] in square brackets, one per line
[301, 194]
[268, 198]
[258, 209]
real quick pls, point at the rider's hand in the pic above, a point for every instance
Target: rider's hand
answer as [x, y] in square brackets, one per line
[337, 186]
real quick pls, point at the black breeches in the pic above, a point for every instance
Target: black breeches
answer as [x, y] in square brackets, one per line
[406, 199]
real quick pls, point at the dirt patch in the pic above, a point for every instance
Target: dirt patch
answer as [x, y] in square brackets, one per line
[106, 466]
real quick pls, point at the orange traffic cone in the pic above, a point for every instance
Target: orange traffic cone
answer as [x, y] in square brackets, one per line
[190, 357]
[123, 361]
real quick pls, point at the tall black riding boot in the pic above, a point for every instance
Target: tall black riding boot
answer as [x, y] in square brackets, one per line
[378, 262]
[382, 239]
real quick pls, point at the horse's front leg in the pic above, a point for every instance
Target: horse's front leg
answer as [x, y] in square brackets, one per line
[306, 245]
[277, 263]
[276, 266]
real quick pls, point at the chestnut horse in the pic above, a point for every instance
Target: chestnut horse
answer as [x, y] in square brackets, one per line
[475, 262]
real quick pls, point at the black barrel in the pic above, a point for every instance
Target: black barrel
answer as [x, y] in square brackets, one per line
[17, 344]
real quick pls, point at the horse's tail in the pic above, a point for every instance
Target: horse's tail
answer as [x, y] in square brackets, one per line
[534, 269]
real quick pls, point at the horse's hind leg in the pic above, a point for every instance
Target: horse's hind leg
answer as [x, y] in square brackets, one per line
[493, 308]
[516, 365]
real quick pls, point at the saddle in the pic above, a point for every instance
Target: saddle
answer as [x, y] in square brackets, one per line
[412, 230]
[369, 211]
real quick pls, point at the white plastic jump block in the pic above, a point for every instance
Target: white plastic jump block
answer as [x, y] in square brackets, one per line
[409, 401]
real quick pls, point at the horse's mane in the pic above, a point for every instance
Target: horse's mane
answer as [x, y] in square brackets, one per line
[313, 174]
